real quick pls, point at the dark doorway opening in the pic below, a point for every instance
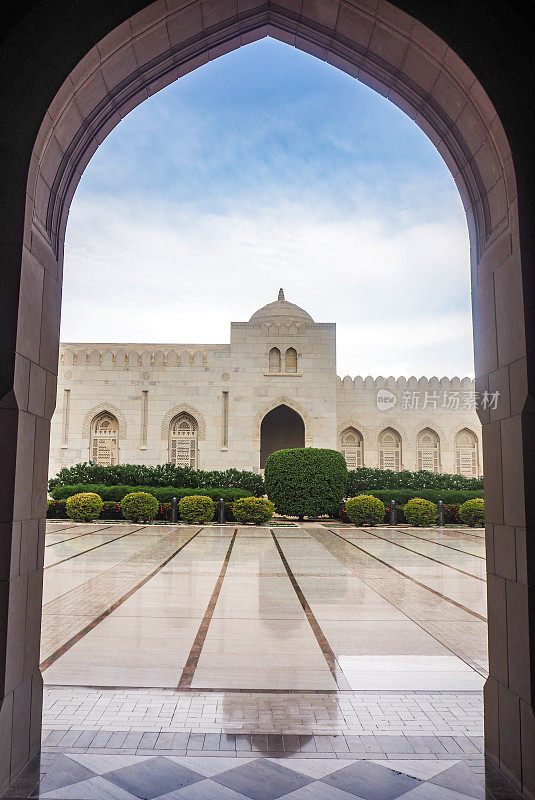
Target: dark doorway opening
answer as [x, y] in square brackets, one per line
[281, 428]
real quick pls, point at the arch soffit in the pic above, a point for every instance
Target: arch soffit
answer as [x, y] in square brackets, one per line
[282, 401]
[384, 48]
[183, 408]
[104, 406]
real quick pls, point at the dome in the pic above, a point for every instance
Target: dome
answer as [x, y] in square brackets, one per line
[281, 310]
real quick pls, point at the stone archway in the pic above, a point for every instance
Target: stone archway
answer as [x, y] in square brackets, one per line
[281, 428]
[90, 68]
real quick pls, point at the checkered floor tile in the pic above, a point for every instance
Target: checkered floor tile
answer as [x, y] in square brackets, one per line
[135, 777]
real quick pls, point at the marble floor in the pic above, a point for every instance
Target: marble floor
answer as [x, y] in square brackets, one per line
[222, 663]
[260, 609]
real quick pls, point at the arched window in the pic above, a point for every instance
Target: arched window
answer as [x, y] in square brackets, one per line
[274, 360]
[428, 451]
[290, 360]
[104, 446]
[351, 448]
[466, 455]
[183, 441]
[390, 450]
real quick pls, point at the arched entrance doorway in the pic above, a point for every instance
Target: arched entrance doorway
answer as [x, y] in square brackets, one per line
[281, 428]
[72, 77]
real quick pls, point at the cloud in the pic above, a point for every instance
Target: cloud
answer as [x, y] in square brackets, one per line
[264, 169]
[161, 274]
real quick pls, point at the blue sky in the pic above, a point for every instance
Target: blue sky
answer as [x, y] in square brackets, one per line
[268, 168]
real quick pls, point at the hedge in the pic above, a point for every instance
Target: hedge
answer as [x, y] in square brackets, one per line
[366, 479]
[56, 509]
[163, 494]
[163, 475]
[306, 481]
[402, 496]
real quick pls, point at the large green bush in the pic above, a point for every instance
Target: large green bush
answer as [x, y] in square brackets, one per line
[472, 513]
[163, 475]
[367, 479]
[420, 513]
[364, 510]
[139, 506]
[84, 507]
[164, 494]
[306, 481]
[196, 509]
[253, 509]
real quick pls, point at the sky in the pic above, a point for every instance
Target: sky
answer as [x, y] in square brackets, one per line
[264, 169]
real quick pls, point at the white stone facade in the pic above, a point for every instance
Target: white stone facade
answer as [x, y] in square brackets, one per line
[204, 404]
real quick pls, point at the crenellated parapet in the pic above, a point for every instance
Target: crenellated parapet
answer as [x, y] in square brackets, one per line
[125, 356]
[403, 384]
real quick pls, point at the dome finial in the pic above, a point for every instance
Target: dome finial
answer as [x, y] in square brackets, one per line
[281, 296]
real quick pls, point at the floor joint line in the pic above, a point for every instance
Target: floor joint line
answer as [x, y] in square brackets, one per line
[193, 658]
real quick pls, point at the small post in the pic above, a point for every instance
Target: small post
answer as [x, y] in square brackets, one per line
[393, 513]
[221, 511]
[174, 510]
[441, 522]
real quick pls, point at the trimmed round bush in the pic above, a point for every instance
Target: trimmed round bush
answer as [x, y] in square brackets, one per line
[196, 508]
[306, 481]
[139, 506]
[420, 513]
[84, 507]
[472, 512]
[253, 509]
[365, 510]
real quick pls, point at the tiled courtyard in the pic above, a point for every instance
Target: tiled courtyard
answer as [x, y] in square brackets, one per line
[288, 662]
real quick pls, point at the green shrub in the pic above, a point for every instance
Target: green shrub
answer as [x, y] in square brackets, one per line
[472, 512]
[365, 510]
[162, 475]
[56, 509]
[368, 479]
[420, 512]
[164, 494]
[196, 509]
[139, 506]
[306, 481]
[84, 507]
[253, 509]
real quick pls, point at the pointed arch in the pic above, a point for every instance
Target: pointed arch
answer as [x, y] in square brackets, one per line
[466, 453]
[104, 442]
[184, 408]
[104, 406]
[351, 445]
[428, 447]
[275, 360]
[284, 401]
[390, 450]
[290, 360]
[183, 435]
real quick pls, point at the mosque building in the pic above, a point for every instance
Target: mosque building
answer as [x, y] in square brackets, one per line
[214, 406]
